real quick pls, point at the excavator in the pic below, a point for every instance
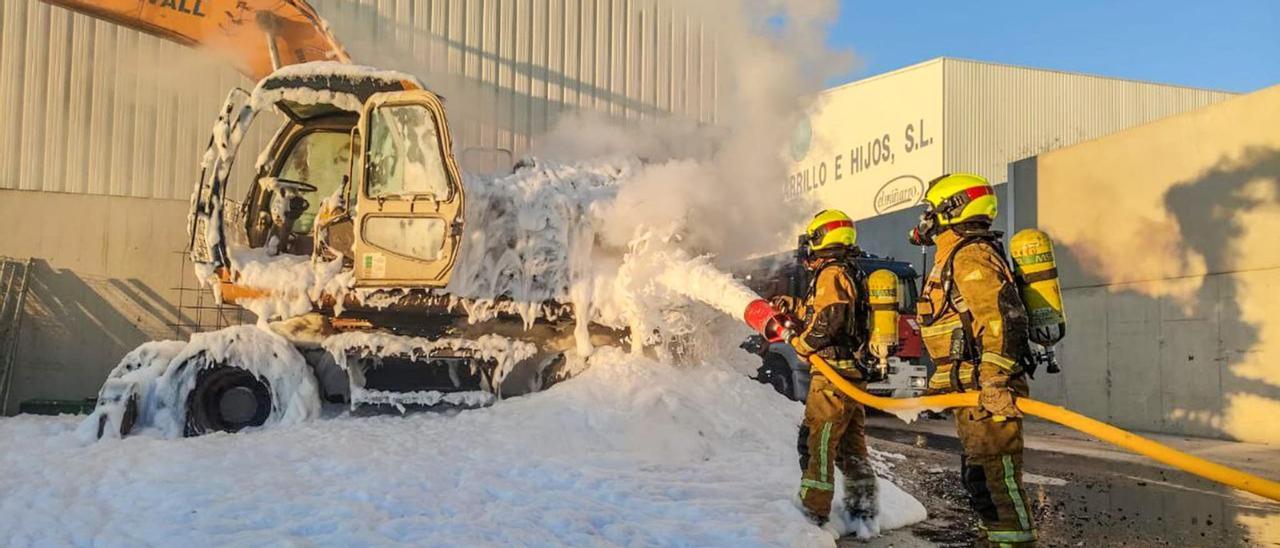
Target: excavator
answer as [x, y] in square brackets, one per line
[349, 235]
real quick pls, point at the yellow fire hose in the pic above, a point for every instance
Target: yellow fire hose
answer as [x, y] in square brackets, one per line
[1103, 431]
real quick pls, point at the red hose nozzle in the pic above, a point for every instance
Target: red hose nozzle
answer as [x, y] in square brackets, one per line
[775, 326]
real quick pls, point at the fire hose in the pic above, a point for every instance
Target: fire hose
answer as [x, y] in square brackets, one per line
[761, 317]
[1230, 477]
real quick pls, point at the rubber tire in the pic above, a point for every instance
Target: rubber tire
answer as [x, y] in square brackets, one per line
[204, 414]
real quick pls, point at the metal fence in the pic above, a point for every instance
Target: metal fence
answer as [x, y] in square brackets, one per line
[198, 310]
[14, 277]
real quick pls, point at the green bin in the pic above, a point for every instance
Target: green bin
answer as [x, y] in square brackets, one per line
[58, 407]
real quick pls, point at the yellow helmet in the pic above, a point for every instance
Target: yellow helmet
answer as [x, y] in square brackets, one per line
[953, 199]
[831, 228]
[961, 197]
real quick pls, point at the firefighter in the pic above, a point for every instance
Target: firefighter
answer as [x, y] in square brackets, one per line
[974, 325]
[831, 322]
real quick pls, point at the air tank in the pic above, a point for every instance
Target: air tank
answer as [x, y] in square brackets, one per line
[1033, 261]
[882, 292]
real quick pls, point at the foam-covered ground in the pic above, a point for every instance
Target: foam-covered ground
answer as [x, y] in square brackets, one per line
[632, 453]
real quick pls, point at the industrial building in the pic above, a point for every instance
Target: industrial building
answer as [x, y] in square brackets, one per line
[870, 146]
[107, 126]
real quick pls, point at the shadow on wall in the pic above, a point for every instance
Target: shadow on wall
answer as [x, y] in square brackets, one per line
[76, 329]
[1231, 218]
[1194, 353]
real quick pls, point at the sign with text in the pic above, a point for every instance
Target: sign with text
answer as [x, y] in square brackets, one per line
[868, 148]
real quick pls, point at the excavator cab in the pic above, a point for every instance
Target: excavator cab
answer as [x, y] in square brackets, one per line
[361, 170]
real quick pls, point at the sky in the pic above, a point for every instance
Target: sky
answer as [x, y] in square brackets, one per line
[1230, 45]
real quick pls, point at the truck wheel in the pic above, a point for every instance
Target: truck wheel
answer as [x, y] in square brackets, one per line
[226, 399]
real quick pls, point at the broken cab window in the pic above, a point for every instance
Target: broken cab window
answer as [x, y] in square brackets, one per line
[404, 157]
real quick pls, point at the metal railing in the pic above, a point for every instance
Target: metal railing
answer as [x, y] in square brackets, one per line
[198, 311]
[14, 277]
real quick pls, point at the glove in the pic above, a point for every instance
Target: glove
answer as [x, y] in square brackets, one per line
[784, 304]
[997, 398]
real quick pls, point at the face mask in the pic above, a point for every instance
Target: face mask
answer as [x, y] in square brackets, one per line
[922, 234]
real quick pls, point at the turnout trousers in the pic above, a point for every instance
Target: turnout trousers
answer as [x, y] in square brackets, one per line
[991, 470]
[833, 435]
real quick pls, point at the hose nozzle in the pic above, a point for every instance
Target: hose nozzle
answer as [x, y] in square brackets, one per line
[774, 325]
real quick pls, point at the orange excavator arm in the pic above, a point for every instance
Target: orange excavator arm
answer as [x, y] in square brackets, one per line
[256, 35]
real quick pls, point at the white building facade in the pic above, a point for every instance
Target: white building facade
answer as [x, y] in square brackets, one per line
[869, 147]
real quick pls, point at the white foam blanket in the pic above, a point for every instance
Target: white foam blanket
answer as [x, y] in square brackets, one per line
[631, 453]
[532, 238]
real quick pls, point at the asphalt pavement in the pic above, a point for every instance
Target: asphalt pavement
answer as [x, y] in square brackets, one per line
[1085, 492]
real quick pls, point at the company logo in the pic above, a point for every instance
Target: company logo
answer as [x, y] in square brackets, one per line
[901, 191]
[801, 138]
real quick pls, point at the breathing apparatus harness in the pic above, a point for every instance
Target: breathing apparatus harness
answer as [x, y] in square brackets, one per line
[965, 345]
[857, 325]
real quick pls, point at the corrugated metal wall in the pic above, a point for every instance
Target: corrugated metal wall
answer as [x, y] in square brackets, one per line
[997, 114]
[94, 108]
[509, 68]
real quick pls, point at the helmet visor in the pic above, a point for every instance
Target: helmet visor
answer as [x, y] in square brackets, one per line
[817, 234]
[954, 206]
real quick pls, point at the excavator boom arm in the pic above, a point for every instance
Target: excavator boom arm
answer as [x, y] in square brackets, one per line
[257, 35]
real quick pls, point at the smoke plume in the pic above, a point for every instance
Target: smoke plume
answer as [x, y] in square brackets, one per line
[721, 186]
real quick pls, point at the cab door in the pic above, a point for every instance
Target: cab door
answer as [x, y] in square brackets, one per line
[409, 203]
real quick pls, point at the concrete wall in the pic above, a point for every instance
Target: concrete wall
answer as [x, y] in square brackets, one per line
[1167, 247]
[102, 283]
